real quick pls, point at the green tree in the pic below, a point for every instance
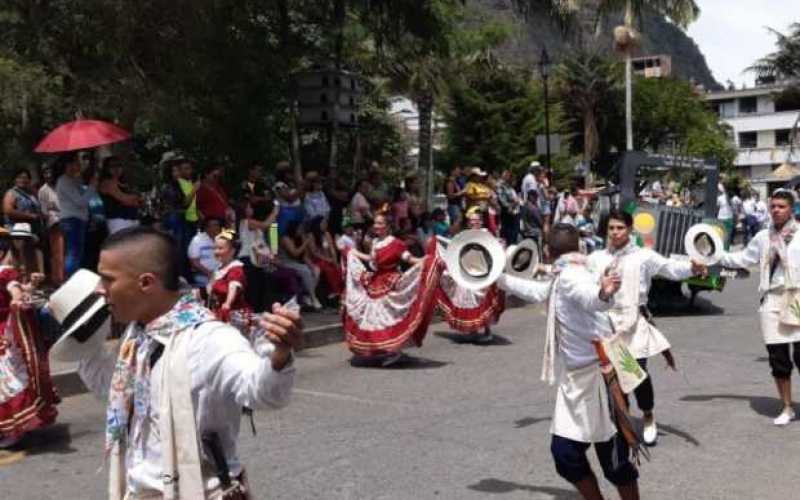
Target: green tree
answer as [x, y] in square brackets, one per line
[671, 118]
[585, 81]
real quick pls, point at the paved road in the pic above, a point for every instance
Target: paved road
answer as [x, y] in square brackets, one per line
[469, 422]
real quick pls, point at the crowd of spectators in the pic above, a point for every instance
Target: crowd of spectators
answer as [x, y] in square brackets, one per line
[292, 230]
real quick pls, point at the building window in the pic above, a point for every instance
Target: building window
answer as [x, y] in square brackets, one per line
[748, 105]
[726, 108]
[748, 140]
[782, 137]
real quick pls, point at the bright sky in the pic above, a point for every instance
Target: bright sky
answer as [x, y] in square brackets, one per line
[732, 34]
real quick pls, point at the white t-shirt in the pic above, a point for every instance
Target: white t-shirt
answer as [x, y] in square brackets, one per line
[528, 184]
[345, 242]
[202, 247]
[725, 212]
[247, 237]
[749, 206]
[359, 207]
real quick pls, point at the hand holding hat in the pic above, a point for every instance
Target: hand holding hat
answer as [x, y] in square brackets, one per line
[83, 315]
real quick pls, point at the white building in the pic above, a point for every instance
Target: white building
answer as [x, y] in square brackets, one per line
[761, 130]
[406, 117]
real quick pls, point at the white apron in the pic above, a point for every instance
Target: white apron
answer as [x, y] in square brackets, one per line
[582, 413]
[643, 339]
[769, 315]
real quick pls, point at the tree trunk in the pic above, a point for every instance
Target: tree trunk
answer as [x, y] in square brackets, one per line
[358, 155]
[425, 140]
[297, 161]
[628, 81]
[339, 18]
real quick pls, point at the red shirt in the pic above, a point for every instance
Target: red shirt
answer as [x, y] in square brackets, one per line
[212, 201]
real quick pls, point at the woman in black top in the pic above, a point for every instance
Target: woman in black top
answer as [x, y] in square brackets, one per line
[121, 204]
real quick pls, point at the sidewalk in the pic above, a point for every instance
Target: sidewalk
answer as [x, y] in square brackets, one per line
[320, 329]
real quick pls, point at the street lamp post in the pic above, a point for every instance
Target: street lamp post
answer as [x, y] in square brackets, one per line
[544, 69]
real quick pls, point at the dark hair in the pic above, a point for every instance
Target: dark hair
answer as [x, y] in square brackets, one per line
[87, 175]
[785, 195]
[212, 219]
[164, 250]
[397, 193]
[109, 162]
[563, 239]
[21, 171]
[621, 216]
[315, 228]
[60, 164]
[291, 229]
[437, 212]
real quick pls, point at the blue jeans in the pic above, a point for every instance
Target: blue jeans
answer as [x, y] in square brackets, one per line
[74, 230]
[175, 224]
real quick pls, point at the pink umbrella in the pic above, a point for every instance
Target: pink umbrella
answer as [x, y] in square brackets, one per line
[81, 134]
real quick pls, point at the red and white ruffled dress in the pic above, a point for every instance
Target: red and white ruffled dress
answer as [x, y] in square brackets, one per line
[27, 396]
[386, 310]
[240, 315]
[468, 311]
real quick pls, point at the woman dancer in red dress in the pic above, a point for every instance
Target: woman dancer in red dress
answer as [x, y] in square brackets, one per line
[470, 311]
[27, 397]
[226, 291]
[385, 309]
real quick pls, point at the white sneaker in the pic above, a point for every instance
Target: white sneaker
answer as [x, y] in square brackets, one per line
[786, 416]
[650, 433]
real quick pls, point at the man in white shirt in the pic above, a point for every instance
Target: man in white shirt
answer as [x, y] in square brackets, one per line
[576, 316]
[201, 253]
[725, 212]
[776, 252]
[529, 182]
[180, 378]
[629, 314]
[749, 213]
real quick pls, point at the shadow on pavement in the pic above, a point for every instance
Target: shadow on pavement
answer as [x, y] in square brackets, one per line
[762, 359]
[765, 406]
[499, 486]
[528, 421]
[464, 339]
[680, 308]
[54, 439]
[406, 362]
[674, 431]
[666, 430]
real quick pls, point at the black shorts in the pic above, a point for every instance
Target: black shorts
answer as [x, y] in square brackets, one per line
[780, 361]
[572, 464]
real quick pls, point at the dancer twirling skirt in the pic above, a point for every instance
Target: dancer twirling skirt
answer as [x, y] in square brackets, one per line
[386, 309]
[27, 397]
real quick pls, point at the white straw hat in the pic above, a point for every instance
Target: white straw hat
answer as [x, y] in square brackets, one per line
[522, 259]
[475, 259]
[22, 230]
[83, 315]
[704, 244]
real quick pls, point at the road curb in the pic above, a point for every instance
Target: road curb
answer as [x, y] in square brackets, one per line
[68, 382]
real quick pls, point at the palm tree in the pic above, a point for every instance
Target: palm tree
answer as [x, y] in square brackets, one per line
[584, 80]
[784, 63]
[680, 12]
[422, 75]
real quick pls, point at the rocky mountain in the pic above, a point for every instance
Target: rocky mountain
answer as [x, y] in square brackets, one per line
[535, 30]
